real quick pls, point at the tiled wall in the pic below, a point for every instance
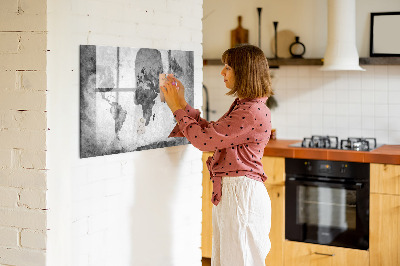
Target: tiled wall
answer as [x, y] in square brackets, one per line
[339, 103]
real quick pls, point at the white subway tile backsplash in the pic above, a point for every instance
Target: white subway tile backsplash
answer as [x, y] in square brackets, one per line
[292, 83]
[367, 96]
[381, 123]
[394, 137]
[381, 136]
[393, 71]
[394, 82]
[354, 80]
[355, 132]
[348, 103]
[368, 123]
[355, 96]
[367, 110]
[381, 110]
[394, 123]
[329, 109]
[304, 82]
[394, 97]
[380, 71]
[342, 122]
[342, 109]
[381, 97]
[354, 122]
[394, 110]
[380, 84]
[291, 71]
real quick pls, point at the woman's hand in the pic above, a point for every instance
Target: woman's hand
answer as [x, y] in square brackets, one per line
[172, 94]
[181, 91]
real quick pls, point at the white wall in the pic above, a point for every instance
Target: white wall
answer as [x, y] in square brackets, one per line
[311, 102]
[138, 208]
[306, 19]
[23, 133]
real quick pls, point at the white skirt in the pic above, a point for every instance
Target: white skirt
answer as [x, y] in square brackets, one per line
[241, 223]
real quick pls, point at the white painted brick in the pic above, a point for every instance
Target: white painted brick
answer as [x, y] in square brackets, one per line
[19, 217]
[7, 80]
[8, 197]
[8, 237]
[33, 239]
[17, 256]
[23, 22]
[8, 6]
[31, 55]
[34, 120]
[23, 178]
[36, 7]
[33, 159]
[34, 140]
[23, 100]
[9, 42]
[31, 80]
[5, 158]
[33, 199]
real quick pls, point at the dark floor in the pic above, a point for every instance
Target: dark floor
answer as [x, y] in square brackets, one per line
[206, 261]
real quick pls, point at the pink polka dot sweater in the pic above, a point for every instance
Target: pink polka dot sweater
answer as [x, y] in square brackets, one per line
[238, 139]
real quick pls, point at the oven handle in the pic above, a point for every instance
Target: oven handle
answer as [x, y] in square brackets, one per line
[357, 185]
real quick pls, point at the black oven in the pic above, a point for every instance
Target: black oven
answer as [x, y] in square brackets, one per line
[327, 202]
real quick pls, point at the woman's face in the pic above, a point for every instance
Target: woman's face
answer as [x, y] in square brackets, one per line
[229, 76]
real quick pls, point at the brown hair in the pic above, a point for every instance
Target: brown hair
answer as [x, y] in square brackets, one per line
[250, 66]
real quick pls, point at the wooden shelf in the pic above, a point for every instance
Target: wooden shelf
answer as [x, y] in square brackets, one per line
[274, 63]
[380, 61]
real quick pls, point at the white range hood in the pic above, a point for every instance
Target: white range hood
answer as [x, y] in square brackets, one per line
[341, 51]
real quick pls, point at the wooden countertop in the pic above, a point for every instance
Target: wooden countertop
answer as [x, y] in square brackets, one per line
[389, 154]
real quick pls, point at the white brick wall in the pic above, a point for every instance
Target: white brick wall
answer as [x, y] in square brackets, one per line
[22, 132]
[139, 208]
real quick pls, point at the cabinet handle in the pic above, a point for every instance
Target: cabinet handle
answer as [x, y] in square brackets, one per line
[324, 254]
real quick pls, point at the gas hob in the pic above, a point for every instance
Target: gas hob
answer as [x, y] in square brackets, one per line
[332, 142]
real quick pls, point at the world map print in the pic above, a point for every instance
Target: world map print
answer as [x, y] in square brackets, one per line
[120, 106]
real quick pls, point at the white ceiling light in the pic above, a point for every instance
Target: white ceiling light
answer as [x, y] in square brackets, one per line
[341, 51]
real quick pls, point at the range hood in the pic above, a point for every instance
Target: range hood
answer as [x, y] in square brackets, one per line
[341, 51]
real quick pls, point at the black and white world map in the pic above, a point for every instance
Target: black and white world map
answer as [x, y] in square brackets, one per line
[120, 106]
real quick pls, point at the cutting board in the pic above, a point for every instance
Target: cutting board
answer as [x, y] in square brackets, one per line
[239, 35]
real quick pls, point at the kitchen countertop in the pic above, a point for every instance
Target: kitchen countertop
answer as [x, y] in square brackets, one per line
[389, 154]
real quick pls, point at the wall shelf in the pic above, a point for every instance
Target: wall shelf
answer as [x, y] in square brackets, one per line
[274, 63]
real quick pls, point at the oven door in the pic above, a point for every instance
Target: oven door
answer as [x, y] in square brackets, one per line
[327, 213]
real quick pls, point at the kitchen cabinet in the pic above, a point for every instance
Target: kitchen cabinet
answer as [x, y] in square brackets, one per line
[385, 214]
[206, 225]
[385, 178]
[274, 168]
[305, 254]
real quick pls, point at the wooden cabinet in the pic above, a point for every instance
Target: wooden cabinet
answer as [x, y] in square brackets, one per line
[274, 168]
[206, 226]
[385, 215]
[385, 178]
[277, 233]
[304, 254]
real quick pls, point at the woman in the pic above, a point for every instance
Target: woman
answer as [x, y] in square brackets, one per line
[242, 209]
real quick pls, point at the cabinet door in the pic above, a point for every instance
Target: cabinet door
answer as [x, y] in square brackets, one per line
[277, 233]
[274, 168]
[304, 254]
[206, 232]
[384, 230]
[385, 178]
